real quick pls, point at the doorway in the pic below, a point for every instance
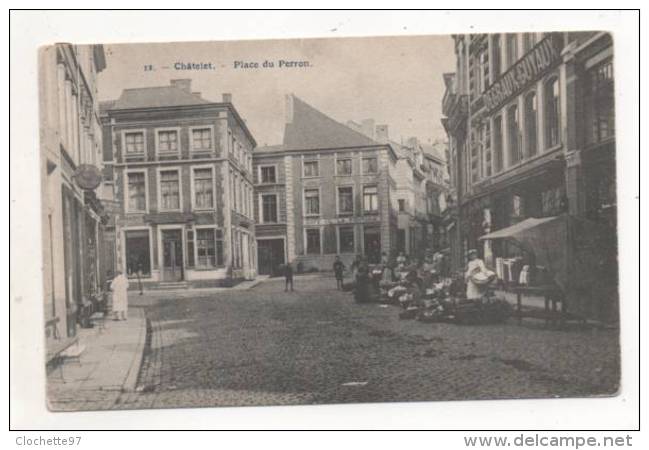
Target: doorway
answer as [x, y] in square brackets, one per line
[270, 256]
[372, 244]
[172, 255]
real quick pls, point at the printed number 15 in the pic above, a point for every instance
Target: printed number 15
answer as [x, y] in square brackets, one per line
[148, 67]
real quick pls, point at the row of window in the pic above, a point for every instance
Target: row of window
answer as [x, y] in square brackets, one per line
[345, 240]
[239, 153]
[487, 64]
[311, 203]
[241, 194]
[491, 154]
[204, 250]
[167, 141]
[311, 168]
[169, 189]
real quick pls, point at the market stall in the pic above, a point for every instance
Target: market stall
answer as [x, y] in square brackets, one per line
[571, 261]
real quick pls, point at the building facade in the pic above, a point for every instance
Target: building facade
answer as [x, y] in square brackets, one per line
[327, 190]
[73, 215]
[182, 168]
[530, 121]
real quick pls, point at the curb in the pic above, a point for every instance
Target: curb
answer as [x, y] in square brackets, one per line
[138, 355]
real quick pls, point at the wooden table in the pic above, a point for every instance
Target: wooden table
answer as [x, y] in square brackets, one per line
[552, 296]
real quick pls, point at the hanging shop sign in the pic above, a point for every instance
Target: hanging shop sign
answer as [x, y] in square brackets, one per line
[87, 176]
[541, 58]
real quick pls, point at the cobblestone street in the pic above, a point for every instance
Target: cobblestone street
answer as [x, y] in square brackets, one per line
[315, 345]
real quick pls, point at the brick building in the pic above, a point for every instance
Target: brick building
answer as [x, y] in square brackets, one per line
[530, 120]
[182, 168]
[326, 190]
[73, 214]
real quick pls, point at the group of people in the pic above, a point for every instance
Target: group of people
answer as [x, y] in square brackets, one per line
[420, 274]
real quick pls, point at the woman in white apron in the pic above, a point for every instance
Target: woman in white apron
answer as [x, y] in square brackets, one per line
[119, 286]
[474, 267]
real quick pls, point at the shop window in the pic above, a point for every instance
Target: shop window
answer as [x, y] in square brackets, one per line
[268, 174]
[313, 241]
[514, 135]
[269, 208]
[138, 253]
[370, 166]
[600, 103]
[311, 169]
[136, 191]
[552, 113]
[346, 239]
[345, 200]
[531, 118]
[498, 144]
[169, 190]
[312, 202]
[201, 139]
[370, 199]
[209, 248]
[203, 188]
[517, 207]
[134, 142]
[551, 202]
[344, 167]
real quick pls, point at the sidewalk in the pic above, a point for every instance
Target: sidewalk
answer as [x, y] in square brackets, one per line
[108, 366]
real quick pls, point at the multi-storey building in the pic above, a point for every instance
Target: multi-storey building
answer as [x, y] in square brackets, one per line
[72, 193]
[183, 171]
[530, 120]
[420, 179]
[327, 190]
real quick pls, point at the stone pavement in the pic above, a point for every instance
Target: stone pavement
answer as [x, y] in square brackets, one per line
[315, 345]
[108, 366]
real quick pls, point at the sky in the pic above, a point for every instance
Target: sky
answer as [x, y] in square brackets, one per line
[394, 80]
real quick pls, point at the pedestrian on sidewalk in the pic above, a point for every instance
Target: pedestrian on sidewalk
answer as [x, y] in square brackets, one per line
[338, 267]
[288, 276]
[119, 286]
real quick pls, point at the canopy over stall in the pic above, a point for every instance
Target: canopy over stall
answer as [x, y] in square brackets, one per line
[580, 255]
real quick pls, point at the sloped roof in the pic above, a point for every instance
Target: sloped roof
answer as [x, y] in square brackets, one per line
[269, 148]
[436, 150]
[311, 129]
[156, 97]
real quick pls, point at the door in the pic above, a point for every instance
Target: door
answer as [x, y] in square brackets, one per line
[372, 244]
[270, 256]
[172, 255]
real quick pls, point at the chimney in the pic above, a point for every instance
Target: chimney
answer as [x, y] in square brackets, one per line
[381, 134]
[227, 97]
[367, 127]
[185, 84]
[288, 111]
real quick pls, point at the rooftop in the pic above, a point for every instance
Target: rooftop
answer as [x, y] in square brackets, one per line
[156, 97]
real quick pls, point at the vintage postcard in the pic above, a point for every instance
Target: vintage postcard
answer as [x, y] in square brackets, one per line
[318, 221]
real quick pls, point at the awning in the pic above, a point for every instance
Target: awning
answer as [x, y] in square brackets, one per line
[514, 231]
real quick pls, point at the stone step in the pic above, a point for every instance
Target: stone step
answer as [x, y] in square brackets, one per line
[167, 286]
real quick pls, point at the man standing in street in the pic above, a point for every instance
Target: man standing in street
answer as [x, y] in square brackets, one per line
[338, 267]
[288, 276]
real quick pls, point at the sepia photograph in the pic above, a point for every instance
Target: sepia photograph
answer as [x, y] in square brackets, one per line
[325, 221]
